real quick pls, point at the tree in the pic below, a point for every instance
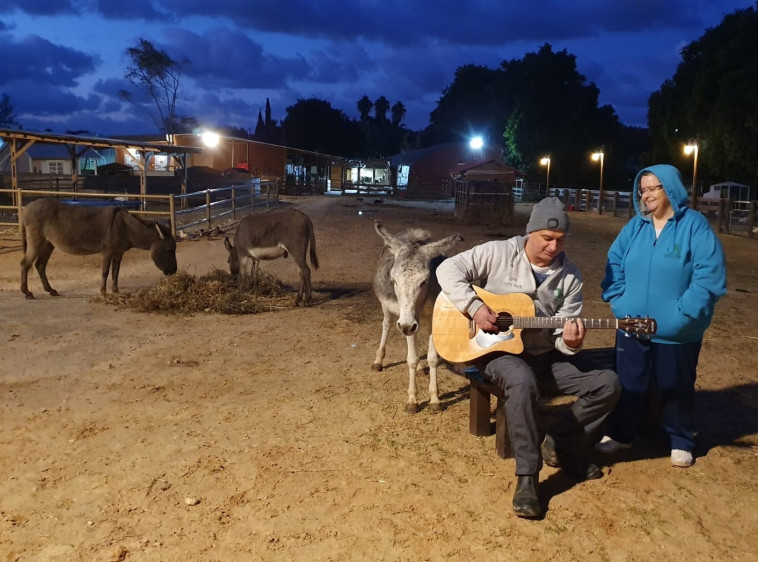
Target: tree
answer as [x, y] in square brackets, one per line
[260, 127]
[711, 98]
[7, 119]
[381, 107]
[158, 77]
[268, 130]
[559, 115]
[474, 103]
[398, 112]
[365, 105]
[530, 107]
[313, 124]
[233, 131]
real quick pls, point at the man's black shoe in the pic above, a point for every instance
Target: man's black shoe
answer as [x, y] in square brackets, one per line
[526, 502]
[579, 468]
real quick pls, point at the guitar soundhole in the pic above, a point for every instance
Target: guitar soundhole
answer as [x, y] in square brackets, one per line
[504, 321]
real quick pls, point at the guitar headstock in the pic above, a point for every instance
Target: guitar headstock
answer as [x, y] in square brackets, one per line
[640, 326]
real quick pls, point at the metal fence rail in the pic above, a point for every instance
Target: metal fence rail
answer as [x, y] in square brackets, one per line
[206, 207]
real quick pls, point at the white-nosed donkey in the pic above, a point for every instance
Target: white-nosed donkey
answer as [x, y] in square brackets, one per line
[407, 287]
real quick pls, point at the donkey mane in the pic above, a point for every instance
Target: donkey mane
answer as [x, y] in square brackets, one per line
[418, 236]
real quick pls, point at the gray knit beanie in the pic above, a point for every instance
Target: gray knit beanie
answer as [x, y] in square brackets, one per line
[548, 214]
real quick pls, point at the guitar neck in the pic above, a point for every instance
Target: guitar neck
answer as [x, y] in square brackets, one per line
[559, 321]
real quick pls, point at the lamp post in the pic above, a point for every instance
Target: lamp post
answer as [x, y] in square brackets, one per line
[599, 155]
[692, 148]
[545, 161]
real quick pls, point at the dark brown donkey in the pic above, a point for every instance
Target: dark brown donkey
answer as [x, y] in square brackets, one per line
[267, 236]
[47, 224]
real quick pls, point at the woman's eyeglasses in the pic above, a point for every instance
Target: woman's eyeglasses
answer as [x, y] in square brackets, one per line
[652, 189]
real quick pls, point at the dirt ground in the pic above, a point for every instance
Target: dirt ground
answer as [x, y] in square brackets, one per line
[132, 436]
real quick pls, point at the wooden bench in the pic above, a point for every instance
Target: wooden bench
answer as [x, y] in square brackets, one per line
[482, 389]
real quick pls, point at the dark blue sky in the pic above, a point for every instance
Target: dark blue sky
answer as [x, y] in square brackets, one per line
[63, 61]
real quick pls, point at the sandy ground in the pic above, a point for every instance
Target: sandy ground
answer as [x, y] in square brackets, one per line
[130, 436]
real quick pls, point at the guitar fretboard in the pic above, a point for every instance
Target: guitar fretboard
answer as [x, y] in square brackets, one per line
[519, 322]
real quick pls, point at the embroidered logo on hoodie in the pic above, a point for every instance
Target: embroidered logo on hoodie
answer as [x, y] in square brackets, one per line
[676, 251]
[558, 295]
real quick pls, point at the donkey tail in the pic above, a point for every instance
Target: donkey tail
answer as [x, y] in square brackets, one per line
[23, 237]
[312, 238]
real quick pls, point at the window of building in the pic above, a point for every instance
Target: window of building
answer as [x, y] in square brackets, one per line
[161, 162]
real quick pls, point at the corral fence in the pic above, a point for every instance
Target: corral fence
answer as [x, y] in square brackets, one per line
[484, 201]
[725, 215]
[193, 211]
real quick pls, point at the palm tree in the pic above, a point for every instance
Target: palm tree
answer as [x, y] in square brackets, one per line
[381, 106]
[365, 105]
[398, 112]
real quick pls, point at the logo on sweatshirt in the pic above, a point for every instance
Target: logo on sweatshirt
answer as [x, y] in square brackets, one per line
[676, 251]
[558, 295]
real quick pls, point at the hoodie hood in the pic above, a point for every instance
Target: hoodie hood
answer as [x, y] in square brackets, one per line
[671, 180]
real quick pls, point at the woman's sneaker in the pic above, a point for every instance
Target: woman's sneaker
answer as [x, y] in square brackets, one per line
[682, 459]
[608, 446]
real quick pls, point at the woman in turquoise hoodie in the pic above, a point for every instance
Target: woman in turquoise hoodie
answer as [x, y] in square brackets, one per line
[668, 264]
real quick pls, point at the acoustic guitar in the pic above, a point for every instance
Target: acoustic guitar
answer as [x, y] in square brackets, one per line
[459, 340]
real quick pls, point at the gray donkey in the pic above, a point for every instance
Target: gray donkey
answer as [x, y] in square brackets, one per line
[268, 236]
[407, 287]
[109, 231]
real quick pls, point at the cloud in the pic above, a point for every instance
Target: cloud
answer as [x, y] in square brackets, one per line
[36, 58]
[133, 9]
[243, 51]
[29, 97]
[402, 22]
[38, 7]
[226, 58]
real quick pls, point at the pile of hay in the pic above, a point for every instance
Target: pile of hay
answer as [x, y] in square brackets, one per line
[183, 293]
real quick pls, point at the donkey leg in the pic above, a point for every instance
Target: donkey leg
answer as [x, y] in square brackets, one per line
[386, 322]
[412, 405]
[305, 285]
[41, 264]
[115, 268]
[26, 264]
[433, 359]
[254, 274]
[106, 267]
[244, 262]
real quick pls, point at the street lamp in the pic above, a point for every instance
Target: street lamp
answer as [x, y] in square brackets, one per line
[599, 155]
[692, 148]
[476, 144]
[545, 161]
[210, 139]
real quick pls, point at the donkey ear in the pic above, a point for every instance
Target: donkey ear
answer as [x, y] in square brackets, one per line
[160, 232]
[228, 245]
[434, 249]
[390, 241]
